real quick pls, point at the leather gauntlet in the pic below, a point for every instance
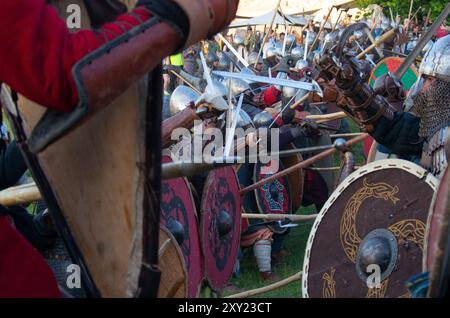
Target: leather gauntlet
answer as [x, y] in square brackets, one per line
[356, 97]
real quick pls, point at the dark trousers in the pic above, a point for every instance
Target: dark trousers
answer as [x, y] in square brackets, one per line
[12, 168]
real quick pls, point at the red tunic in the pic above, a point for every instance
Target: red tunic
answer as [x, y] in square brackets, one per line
[38, 52]
[23, 272]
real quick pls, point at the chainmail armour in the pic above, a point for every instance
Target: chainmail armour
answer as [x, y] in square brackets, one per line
[433, 107]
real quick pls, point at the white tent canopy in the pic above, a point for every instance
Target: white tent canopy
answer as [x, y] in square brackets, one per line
[266, 19]
[261, 20]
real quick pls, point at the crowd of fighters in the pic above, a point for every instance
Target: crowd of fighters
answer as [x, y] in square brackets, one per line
[416, 132]
[411, 125]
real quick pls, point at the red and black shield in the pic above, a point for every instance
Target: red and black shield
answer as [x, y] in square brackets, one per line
[368, 239]
[220, 225]
[178, 210]
[273, 197]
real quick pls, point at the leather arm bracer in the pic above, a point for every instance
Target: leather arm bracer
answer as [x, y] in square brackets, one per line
[356, 97]
[104, 74]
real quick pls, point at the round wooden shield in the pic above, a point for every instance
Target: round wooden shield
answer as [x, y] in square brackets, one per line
[177, 204]
[369, 237]
[273, 197]
[296, 179]
[390, 65]
[220, 225]
[437, 232]
[173, 282]
[248, 201]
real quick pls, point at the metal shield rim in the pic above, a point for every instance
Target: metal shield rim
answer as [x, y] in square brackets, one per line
[407, 166]
[237, 228]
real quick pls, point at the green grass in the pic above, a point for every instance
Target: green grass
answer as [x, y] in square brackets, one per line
[295, 244]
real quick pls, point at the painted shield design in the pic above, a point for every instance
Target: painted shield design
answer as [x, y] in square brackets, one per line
[368, 240]
[220, 225]
[173, 282]
[178, 215]
[274, 197]
[436, 243]
[390, 65]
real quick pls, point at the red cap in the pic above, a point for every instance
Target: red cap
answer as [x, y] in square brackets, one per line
[271, 96]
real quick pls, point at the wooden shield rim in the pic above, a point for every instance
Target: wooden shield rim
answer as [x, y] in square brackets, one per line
[407, 166]
[162, 228]
[237, 226]
[186, 181]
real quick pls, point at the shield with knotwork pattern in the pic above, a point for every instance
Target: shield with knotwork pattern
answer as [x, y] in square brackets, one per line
[369, 237]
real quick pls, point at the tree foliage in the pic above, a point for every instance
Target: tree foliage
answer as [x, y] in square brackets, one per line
[402, 7]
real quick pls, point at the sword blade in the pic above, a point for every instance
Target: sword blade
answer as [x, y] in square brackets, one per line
[228, 44]
[312, 87]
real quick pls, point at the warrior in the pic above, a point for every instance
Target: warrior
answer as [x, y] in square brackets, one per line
[419, 131]
[35, 28]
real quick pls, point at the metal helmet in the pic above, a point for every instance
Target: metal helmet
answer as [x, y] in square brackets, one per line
[180, 99]
[289, 92]
[238, 39]
[358, 35]
[271, 52]
[211, 57]
[278, 49]
[301, 64]
[224, 63]
[290, 39]
[427, 47]
[332, 37]
[329, 41]
[436, 62]
[298, 51]
[243, 121]
[252, 58]
[219, 87]
[238, 86]
[262, 120]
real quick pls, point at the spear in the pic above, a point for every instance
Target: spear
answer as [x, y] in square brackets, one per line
[267, 34]
[301, 165]
[322, 26]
